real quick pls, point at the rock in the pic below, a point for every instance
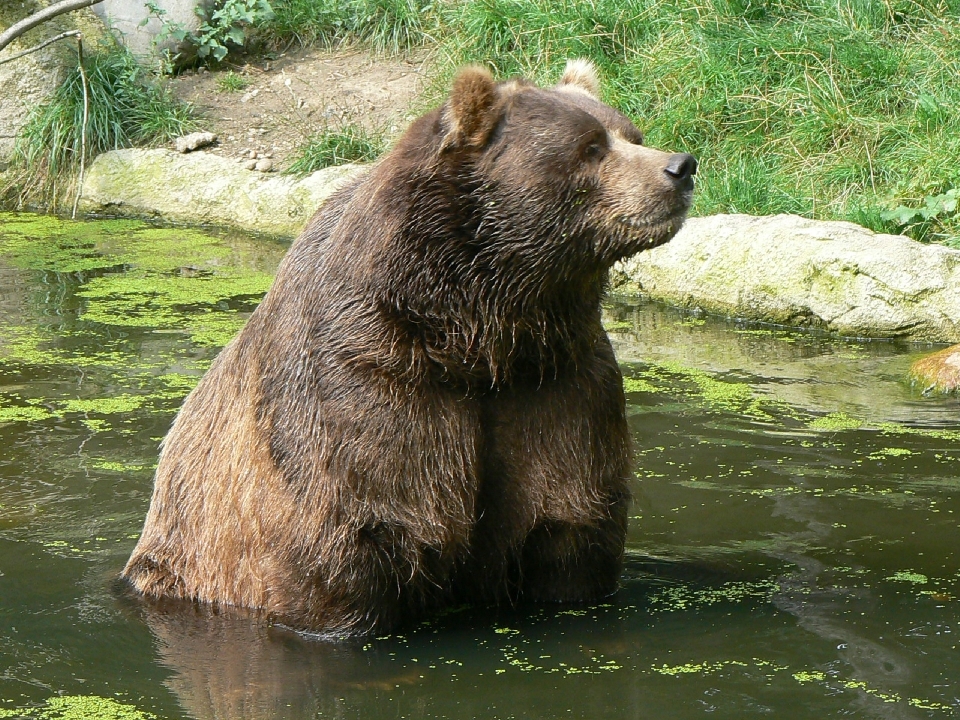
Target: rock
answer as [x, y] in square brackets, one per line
[27, 82]
[250, 165]
[938, 373]
[788, 270]
[204, 188]
[194, 141]
[264, 165]
[143, 34]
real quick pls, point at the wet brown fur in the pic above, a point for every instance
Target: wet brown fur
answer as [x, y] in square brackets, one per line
[425, 407]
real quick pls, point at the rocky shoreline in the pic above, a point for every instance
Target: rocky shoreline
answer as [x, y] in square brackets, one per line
[205, 189]
[784, 269]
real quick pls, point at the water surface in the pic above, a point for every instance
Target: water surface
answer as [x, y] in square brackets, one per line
[792, 546]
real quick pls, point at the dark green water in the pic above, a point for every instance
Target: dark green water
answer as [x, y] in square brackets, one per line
[792, 551]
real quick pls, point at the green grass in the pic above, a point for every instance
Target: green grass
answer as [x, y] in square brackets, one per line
[386, 25]
[832, 109]
[349, 143]
[127, 107]
[232, 82]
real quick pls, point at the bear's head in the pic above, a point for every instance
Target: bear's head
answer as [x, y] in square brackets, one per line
[484, 237]
[558, 169]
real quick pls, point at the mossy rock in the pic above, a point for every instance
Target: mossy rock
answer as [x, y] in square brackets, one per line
[203, 188]
[793, 271]
[938, 373]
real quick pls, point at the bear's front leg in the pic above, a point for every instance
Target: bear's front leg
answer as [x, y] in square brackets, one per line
[554, 500]
[570, 562]
[384, 479]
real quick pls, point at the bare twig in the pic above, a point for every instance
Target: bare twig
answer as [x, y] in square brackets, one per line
[30, 22]
[41, 46]
[83, 128]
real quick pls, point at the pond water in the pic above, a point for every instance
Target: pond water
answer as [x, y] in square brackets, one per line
[792, 548]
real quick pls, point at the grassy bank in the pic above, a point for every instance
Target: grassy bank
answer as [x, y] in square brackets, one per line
[127, 106]
[832, 109]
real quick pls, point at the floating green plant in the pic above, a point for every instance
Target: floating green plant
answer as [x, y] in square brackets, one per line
[632, 385]
[890, 452]
[617, 326]
[909, 577]
[80, 707]
[836, 422]
[803, 677]
[680, 597]
[107, 293]
[718, 395]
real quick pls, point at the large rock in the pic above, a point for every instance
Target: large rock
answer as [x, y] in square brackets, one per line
[146, 35]
[788, 270]
[28, 82]
[207, 189]
[25, 84]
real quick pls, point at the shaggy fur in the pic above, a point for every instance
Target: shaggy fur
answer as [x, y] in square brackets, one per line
[425, 407]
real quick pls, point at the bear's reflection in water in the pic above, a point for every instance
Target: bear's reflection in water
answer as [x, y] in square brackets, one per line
[231, 666]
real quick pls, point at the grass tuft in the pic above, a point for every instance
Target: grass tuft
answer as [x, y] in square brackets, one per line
[229, 82]
[346, 144]
[127, 107]
[386, 25]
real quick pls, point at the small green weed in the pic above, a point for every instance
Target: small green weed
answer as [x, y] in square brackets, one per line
[226, 25]
[127, 107]
[232, 82]
[349, 143]
[938, 218]
[222, 27]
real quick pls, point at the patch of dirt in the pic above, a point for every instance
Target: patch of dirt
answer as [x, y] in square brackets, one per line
[287, 99]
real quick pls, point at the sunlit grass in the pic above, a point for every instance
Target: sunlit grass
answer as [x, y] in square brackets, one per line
[386, 25]
[336, 146]
[833, 109]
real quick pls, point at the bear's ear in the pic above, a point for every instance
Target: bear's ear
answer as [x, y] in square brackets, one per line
[581, 74]
[473, 109]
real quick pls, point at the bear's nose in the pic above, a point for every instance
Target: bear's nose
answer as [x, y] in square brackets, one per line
[681, 167]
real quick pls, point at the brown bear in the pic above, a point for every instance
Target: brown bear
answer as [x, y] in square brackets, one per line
[425, 407]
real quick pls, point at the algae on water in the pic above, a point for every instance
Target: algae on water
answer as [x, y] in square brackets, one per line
[132, 311]
[80, 707]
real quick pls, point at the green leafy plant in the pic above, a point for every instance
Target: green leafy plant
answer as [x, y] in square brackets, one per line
[226, 26]
[349, 143]
[220, 29]
[937, 217]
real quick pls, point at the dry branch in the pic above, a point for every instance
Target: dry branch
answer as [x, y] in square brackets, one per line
[30, 22]
[41, 46]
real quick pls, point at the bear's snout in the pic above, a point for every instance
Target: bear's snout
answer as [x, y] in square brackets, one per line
[681, 167]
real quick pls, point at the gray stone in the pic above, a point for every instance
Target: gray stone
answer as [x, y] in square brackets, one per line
[788, 270]
[28, 82]
[24, 85]
[194, 141]
[126, 16]
[207, 189]
[264, 165]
